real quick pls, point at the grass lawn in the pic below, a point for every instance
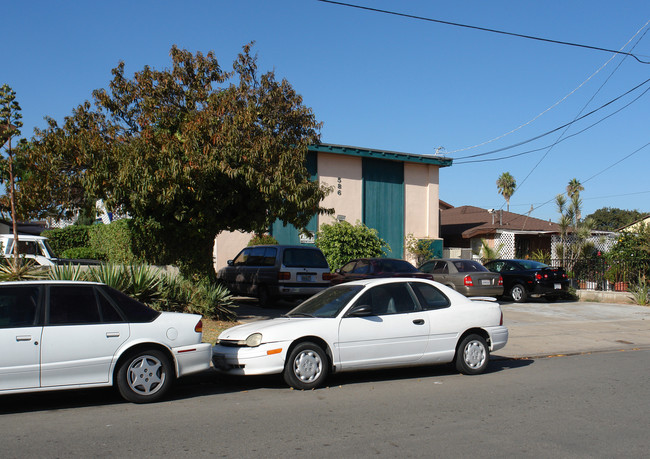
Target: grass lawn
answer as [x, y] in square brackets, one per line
[212, 329]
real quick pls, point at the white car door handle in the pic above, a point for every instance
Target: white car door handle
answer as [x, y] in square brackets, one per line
[23, 338]
[112, 334]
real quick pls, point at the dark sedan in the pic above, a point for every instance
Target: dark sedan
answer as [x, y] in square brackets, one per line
[524, 278]
[371, 268]
[468, 277]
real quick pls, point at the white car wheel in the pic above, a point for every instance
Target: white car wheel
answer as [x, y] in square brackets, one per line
[472, 355]
[145, 376]
[307, 366]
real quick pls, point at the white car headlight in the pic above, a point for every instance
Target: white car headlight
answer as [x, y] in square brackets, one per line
[254, 340]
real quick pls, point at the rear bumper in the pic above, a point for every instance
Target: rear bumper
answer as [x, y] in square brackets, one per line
[297, 290]
[481, 291]
[498, 337]
[192, 359]
[550, 288]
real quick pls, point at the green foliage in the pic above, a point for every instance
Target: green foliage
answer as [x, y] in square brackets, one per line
[506, 184]
[262, 239]
[543, 256]
[18, 269]
[421, 249]
[67, 272]
[488, 253]
[70, 237]
[114, 240]
[574, 231]
[632, 245]
[341, 242]
[187, 152]
[110, 274]
[611, 218]
[641, 293]
[85, 253]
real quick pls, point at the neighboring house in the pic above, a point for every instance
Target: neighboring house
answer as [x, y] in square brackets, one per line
[517, 235]
[632, 227]
[392, 192]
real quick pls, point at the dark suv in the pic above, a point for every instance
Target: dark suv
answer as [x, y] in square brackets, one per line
[271, 272]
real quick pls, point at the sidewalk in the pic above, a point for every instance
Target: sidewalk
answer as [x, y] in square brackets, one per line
[546, 329]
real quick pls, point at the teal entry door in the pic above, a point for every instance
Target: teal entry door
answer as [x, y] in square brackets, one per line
[383, 201]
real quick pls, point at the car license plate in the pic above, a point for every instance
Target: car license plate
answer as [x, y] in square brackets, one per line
[305, 278]
[485, 282]
[558, 286]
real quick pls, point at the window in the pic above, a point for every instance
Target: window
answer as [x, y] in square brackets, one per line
[389, 299]
[429, 296]
[18, 306]
[242, 258]
[441, 268]
[255, 257]
[307, 258]
[108, 313]
[362, 267]
[29, 248]
[73, 304]
[133, 310]
[469, 266]
[269, 256]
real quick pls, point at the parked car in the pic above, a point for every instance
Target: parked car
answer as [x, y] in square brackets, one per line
[366, 324]
[468, 277]
[38, 249]
[371, 268]
[524, 278]
[270, 272]
[67, 335]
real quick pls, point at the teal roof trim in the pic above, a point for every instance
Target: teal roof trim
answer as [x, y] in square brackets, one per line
[382, 154]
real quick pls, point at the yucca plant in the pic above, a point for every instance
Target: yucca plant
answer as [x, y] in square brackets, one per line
[144, 283]
[17, 269]
[67, 272]
[214, 301]
[109, 274]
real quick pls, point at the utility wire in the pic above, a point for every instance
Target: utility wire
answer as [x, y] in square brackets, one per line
[460, 160]
[561, 100]
[484, 29]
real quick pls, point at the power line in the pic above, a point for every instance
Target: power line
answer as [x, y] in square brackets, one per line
[484, 29]
[464, 159]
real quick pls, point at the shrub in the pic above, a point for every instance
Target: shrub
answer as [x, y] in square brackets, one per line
[87, 253]
[263, 239]
[70, 237]
[114, 240]
[421, 249]
[341, 242]
[67, 272]
[18, 269]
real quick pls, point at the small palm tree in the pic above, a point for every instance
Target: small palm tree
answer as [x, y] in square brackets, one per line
[506, 185]
[574, 187]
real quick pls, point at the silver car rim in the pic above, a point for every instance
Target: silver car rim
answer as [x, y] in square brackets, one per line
[474, 354]
[307, 366]
[517, 293]
[145, 375]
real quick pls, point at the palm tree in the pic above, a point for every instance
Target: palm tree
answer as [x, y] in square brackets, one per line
[574, 187]
[506, 186]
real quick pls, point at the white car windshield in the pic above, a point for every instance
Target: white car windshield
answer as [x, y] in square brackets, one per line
[328, 303]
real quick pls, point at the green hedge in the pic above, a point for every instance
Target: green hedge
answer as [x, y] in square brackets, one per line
[70, 237]
[114, 240]
[87, 253]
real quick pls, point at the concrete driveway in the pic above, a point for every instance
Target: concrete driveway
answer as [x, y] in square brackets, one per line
[540, 329]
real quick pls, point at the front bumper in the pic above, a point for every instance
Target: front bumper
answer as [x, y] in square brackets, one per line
[192, 359]
[265, 359]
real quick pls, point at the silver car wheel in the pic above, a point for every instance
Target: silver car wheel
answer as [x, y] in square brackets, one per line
[474, 354]
[146, 375]
[307, 366]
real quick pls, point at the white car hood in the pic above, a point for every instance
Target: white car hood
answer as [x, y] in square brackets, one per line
[281, 329]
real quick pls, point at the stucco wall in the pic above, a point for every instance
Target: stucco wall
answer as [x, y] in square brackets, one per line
[421, 200]
[343, 174]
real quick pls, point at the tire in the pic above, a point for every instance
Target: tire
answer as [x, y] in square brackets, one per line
[264, 297]
[518, 293]
[307, 366]
[145, 376]
[472, 355]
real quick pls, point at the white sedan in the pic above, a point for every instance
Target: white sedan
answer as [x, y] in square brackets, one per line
[67, 335]
[377, 323]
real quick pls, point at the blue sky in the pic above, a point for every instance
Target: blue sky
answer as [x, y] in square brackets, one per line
[386, 82]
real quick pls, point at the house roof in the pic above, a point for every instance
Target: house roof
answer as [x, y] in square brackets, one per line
[470, 221]
[635, 225]
[382, 154]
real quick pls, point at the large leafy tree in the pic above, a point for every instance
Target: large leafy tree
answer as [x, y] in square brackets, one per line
[186, 152]
[612, 218]
[506, 185]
